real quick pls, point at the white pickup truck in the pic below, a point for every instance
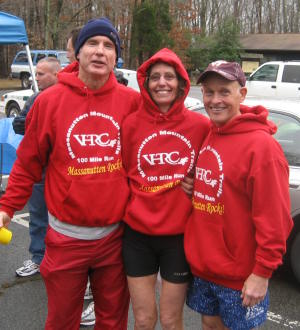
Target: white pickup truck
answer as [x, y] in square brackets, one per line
[12, 103]
[276, 79]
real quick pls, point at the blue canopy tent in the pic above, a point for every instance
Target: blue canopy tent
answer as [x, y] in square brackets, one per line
[12, 31]
[9, 141]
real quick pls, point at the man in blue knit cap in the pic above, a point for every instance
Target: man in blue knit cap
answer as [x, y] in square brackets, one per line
[73, 130]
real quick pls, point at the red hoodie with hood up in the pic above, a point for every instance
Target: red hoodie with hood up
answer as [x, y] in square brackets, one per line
[158, 151]
[241, 207]
[75, 132]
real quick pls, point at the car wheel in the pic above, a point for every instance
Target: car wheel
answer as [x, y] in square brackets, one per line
[13, 110]
[25, 82]
[295, 252]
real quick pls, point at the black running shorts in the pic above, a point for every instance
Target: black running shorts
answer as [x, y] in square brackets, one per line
[144, 255]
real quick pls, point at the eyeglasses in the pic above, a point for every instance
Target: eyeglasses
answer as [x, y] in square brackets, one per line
[167, 76]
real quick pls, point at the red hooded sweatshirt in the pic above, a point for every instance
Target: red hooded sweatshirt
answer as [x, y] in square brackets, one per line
[159, 150]
[241, 207]
[75, 133]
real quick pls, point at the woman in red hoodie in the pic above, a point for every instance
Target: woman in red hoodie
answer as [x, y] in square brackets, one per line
[159, 144]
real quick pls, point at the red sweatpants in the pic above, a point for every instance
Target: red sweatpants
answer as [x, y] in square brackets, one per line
[65, 269]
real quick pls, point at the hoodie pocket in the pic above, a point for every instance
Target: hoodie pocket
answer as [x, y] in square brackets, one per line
[162, 213]
[207, 250]
[96, 202]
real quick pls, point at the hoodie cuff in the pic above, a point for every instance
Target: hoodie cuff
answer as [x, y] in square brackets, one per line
[9, 211]
[262, 271]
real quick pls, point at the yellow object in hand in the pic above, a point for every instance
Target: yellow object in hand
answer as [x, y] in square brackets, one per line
[5, 235]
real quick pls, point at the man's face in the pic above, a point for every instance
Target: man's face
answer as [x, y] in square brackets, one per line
[97, 58]
[45, 75]
[222, 98]
[70, 51]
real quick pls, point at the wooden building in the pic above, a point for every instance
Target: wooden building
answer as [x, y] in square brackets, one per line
[261, 48]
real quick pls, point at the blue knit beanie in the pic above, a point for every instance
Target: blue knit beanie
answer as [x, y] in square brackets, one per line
[98, 27]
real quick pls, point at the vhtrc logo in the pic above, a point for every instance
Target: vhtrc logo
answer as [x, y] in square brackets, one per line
[101, 140]
[205, 175]
[93, 137]
[165, 156]
[162, 158]
[212, 176]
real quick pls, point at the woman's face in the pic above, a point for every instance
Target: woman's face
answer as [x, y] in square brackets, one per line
[163, 85]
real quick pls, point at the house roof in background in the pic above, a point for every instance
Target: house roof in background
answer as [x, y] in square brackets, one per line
[276, 41]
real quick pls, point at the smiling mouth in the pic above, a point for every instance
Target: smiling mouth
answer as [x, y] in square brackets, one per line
[217, 109]
[163, 92]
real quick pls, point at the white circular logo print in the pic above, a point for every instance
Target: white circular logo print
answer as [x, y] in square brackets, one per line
[93, 137]
[165, 156]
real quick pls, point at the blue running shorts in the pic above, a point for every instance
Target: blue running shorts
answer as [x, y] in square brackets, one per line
[215, 300]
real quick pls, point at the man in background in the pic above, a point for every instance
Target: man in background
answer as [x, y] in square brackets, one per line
[73, 35]
[46, 76]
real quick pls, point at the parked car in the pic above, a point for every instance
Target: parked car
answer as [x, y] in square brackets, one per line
[20, 67]
[277, 79]
[12, 103]
[130, 75]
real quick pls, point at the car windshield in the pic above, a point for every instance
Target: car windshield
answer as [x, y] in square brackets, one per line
[288, 135]
[22, 58]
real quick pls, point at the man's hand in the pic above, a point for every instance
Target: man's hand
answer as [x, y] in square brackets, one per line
[254, 290]
[187, 184]
[4, 219]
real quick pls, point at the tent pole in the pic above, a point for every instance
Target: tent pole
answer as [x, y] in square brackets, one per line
[35, 86]
[1, 168]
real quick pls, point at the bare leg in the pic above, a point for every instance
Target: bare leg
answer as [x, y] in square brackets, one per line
[212, 323]
[172, 299]
[142, 293]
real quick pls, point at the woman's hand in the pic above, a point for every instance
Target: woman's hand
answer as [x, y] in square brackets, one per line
[187, 184]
